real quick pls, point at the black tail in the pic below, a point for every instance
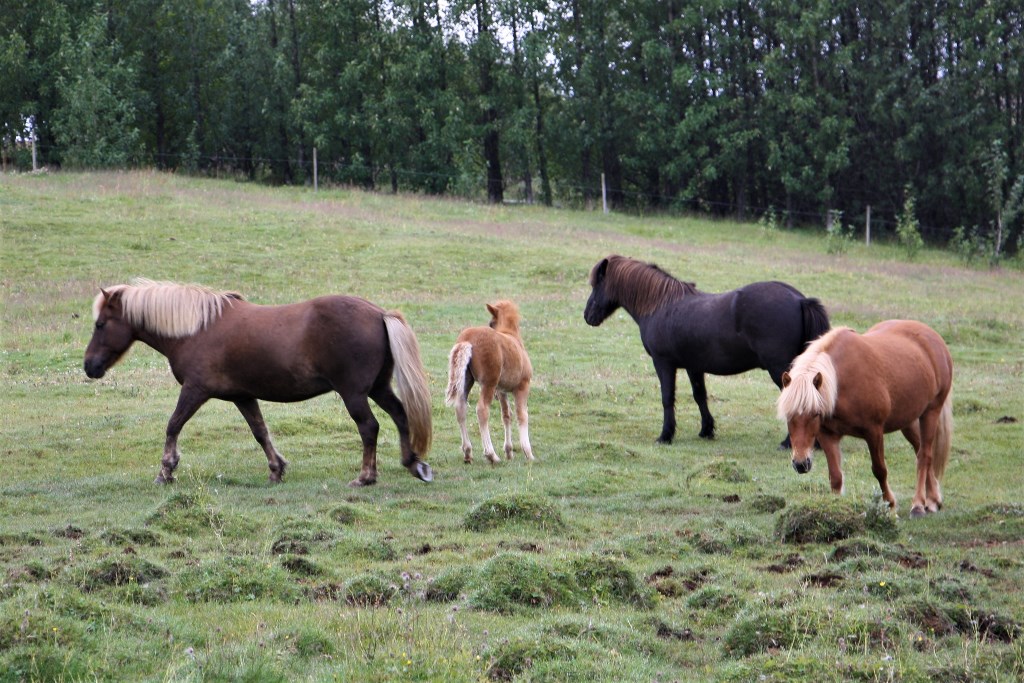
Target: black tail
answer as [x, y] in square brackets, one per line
[816, 321]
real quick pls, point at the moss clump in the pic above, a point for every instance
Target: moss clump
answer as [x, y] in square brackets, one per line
[124, 537]
[509, 509]
[512, 580]
[824, 520]
[120, 571]
[606, 579]
[764, 629]
[369, 590]
[449, 584]
[237, 579]
[767, 504]
[517, 657]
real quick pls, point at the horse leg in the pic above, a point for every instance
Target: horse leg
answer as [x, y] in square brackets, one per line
[506, 422]
[876, 446]
[700, 395]
[358, 407]
[392, 405]
[461, 407]
[834, 458]
[927, 494]
[523, 418]
[667, 377]
[250, 410]
[189, 401]
[483, 411]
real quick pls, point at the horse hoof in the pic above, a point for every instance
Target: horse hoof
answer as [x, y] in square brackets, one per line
[358, 483]
[663, 441]
[161, 479]
[423, 472]
[916, 511]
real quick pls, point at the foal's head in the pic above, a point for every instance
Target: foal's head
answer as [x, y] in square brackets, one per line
[504, 317]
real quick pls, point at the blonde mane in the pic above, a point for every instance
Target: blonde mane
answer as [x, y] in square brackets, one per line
[167, 309]
[800, 396]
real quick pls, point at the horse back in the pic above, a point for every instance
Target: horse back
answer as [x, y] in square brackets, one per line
[895, 371]
[294, 351]
[498, 359]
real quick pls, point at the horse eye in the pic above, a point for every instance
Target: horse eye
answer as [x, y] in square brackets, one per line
[100, 324]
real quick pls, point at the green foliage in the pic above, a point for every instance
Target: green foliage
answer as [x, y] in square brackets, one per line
[908, 231]
[417, 98]
[838, 237]
[95, 122]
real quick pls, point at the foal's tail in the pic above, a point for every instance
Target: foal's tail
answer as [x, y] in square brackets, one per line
[458, 361]
[411, 381]
[943, 438]
[816, 321]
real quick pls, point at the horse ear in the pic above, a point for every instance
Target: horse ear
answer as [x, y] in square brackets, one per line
[492, 310]
[599, 270]
[817, 381]
[786, 379]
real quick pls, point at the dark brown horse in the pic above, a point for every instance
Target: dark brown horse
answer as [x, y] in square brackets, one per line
[221, 346]
[896, 376]
[762, 325]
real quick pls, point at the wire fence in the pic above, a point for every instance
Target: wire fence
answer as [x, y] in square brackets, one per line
[473, 186]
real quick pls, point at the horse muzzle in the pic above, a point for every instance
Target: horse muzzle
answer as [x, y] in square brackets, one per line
[803, 466]
[94, 369]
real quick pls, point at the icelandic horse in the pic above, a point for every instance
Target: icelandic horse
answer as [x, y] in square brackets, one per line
[495, 357]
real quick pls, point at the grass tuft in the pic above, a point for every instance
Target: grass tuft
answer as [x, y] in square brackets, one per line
[508, 509]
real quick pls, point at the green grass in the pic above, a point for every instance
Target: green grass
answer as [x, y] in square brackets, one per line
[609, 558]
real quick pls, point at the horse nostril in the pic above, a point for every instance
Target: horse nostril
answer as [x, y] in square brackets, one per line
[802, 467]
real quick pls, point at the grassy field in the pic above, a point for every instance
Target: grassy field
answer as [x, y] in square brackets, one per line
[609, 558]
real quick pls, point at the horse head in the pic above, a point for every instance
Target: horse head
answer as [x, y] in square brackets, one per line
[504, 317]
[112, 335]
[803, 425]
[600, 305]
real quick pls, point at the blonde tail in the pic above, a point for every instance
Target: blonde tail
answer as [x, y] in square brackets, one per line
[458, 360]
[943, 438]
[410, 381]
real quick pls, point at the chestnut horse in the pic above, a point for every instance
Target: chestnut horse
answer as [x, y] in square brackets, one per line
[221, 346]
[897, 375]
[762, 325]
[495, 357]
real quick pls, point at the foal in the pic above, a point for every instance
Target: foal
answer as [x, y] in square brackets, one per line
[495, 357]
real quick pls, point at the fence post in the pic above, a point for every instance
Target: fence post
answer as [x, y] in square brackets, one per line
[867, 227]
[604, 195]
[35, 166]
[315, 181]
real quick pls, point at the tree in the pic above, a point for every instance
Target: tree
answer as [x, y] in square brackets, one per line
[95, 122]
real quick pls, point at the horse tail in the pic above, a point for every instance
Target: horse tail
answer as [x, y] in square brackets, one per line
[943, 438]
[411, 381]
[815, 318]
[458, 361]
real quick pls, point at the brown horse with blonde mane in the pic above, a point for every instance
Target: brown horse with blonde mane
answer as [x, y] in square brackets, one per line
[221, 346]
[896, 376]
[495, 357]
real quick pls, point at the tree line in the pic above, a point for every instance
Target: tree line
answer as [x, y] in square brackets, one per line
[801, 109]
